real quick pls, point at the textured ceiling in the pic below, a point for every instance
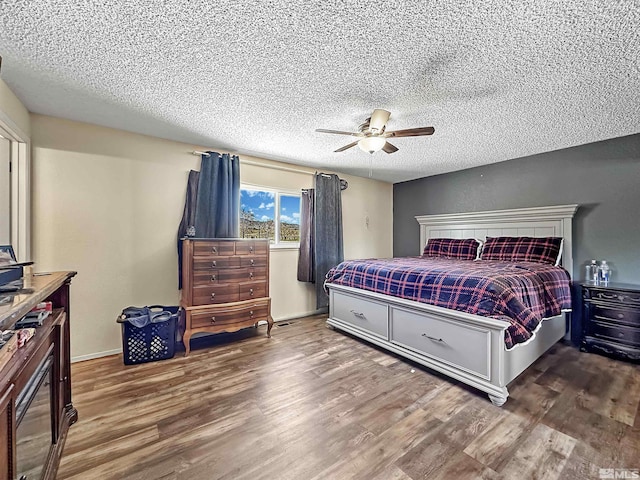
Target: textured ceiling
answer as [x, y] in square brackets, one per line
[497, 79]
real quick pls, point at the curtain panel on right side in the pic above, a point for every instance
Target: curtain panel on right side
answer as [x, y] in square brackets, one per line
[328, 246]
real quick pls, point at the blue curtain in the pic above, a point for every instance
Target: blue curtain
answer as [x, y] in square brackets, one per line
[328, 247]
[218, 198]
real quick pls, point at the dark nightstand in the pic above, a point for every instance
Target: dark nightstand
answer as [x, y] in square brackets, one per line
[611, 320]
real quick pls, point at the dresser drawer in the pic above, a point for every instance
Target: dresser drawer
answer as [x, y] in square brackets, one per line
[257, 273]
[251, 247]
[367, 315]
[249, 290]
[451, 342]
[209, 263]
[617, 333]
[207, 248]
[627, 316]
[221, 293]
[253, 261]
[225, 317]
[222, 275]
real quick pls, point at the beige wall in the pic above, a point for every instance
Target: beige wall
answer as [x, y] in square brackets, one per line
[107, 203]
[13, 112]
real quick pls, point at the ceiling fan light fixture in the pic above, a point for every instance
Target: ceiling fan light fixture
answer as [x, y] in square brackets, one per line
[372, 144]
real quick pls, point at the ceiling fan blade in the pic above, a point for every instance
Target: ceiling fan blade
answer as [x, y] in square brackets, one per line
[342, 149]
[338, 132]
[411, 132]
[379, 119]
[388, 148]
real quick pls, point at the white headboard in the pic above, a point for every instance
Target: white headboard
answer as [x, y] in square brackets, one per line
[553, 221]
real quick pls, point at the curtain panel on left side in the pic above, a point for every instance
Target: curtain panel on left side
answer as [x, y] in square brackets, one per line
[212, 203]
[218, 199]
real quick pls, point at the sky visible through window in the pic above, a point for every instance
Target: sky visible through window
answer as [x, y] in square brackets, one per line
[258, 213]
[260, 204]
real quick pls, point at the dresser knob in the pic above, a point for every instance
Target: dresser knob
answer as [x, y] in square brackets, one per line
[251, 291]
[250, 274]
[621, 298]
[251, 314]
[213, 295]
[213, 319]
[213, 263]
[251, 249]
[621, 315]
[252, 262]
[214, 250]
[213, 278]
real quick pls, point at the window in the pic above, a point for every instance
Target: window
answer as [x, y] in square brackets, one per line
[269, 214]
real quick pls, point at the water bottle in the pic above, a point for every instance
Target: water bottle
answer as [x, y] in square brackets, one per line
[604, 273]
[591, 275]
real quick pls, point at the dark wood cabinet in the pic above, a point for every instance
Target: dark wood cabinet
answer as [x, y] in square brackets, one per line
[611, 320]
[225, 285]
[35, 382]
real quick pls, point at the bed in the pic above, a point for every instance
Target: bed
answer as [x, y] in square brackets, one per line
[465, 346]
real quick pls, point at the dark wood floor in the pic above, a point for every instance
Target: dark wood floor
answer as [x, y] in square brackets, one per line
[312, 403]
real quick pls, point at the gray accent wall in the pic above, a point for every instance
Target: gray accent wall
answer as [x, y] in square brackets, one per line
[603, 178]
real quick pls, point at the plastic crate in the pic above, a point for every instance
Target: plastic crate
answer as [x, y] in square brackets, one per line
[154, 341]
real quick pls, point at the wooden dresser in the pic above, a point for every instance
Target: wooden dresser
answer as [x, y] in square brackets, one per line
[611, 320]
[35, 382]
[225, 285]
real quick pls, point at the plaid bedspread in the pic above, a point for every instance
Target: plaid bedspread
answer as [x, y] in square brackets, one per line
[522, 293]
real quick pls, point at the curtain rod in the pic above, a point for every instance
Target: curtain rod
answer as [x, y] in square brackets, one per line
[264, 165]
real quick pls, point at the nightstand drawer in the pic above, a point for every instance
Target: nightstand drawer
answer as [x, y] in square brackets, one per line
[615, 333]
[616, 296]
[620, 315]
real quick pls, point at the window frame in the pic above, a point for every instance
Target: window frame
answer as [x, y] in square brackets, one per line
[277, 244]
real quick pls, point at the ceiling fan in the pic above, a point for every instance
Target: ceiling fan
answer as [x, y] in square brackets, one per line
[373, 134]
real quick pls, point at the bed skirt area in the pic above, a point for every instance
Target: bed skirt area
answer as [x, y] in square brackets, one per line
[469, 348]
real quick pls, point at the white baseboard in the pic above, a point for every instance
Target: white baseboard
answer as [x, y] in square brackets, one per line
[300, 315]
[91, 356]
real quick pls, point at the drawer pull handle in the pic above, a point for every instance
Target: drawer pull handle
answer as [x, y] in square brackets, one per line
[634, 299]
[252, 262]
[250, 274]
[251, 291]
[439, 340]
[213, 295]
[358, 314]
[213, 278]
[214, 250]
[621, 315]
[608, 297]
[251, 314]
[251, 249]
[213, 319]
[213, 263]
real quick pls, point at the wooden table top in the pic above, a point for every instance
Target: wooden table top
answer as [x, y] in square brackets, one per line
[37, 287]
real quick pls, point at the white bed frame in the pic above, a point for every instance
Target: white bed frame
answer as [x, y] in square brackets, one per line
[469, 348]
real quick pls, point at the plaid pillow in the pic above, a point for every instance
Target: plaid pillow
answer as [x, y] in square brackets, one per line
[522, 249]
[462, 249]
